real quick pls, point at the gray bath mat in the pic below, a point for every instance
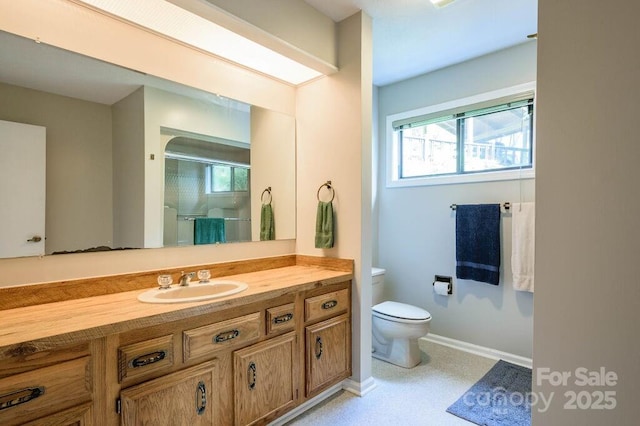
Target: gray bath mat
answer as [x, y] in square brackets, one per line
[501, 398]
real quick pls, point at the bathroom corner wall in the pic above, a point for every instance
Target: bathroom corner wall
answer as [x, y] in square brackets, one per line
[334, 143]
[587, 287]
[416, 227]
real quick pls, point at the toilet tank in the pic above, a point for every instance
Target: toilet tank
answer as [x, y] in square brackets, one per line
[377, 281]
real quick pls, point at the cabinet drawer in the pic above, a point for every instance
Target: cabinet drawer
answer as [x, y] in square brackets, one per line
[281, 318]
[142, 358]
[221, 335]
[326, 305]
[34, 394]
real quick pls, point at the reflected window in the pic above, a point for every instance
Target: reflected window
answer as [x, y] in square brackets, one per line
[226, 178]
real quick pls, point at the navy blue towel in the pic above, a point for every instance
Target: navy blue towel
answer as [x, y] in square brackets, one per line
[478, 242]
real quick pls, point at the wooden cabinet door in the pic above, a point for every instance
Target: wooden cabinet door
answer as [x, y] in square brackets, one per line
[265, 379]
[183, 398]
[328, 353]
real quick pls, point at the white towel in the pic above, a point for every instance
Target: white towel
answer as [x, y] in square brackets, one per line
[523, 232]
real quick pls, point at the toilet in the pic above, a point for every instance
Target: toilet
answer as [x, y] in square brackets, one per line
[396, 327]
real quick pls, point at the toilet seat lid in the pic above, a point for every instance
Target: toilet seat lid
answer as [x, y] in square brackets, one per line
[401, 311]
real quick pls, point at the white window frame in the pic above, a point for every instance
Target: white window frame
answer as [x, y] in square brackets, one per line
[391, 145]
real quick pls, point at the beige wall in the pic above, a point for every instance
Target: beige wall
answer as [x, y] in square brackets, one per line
[334, 134]
[79, 210]
[273, 164]
[587, 296]
[128, 170]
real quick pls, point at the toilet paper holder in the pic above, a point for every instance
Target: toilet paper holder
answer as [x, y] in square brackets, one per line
[444, 279]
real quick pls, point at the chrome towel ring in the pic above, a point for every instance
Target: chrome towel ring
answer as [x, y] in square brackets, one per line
[329, 187]
[268, 192]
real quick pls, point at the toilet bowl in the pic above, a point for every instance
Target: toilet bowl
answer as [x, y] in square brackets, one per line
[396, 328]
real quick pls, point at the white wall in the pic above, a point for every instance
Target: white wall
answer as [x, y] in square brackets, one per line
[334, 134]
[587, 283]
[416, 227]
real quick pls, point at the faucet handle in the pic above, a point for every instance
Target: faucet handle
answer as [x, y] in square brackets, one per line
[185, 278]
[164, 281]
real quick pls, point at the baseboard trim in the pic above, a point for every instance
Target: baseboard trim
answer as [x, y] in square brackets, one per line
[479, 350]
[359, 388]
[306, 405]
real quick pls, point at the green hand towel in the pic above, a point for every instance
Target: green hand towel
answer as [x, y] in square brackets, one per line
[267, 223]
[324, 225]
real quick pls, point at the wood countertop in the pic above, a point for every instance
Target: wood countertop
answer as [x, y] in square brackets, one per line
[44, 326]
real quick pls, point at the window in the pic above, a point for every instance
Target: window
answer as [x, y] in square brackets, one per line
[226, 178]
[468, 139]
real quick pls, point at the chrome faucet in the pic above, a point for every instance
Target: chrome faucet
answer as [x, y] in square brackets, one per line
[185, 278]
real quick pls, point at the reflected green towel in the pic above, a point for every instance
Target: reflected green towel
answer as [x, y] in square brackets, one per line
[324, 225]
[209, 230]
[267, 223]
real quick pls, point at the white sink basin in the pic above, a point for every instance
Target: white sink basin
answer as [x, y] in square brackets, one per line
[194, 292]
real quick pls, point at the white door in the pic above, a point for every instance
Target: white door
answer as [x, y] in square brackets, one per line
[22, 189]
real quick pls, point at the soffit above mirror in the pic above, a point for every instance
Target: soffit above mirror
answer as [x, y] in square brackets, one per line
[177, 23]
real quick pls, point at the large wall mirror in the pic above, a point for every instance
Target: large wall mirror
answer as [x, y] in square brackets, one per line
[135, 161]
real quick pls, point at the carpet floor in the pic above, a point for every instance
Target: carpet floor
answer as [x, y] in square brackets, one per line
[405, 397]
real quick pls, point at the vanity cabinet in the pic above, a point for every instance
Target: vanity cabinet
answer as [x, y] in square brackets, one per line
[265, 379]
[240, 361]
[181, 398]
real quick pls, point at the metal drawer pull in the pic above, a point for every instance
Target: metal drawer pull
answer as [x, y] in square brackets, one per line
[283, 318]
[226, 335]
[330, 304]
[251, 375]
[13, 399]
[147, 359]
[201, 400]
[318, 347]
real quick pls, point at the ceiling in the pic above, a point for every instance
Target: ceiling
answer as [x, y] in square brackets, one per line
[413, 37]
